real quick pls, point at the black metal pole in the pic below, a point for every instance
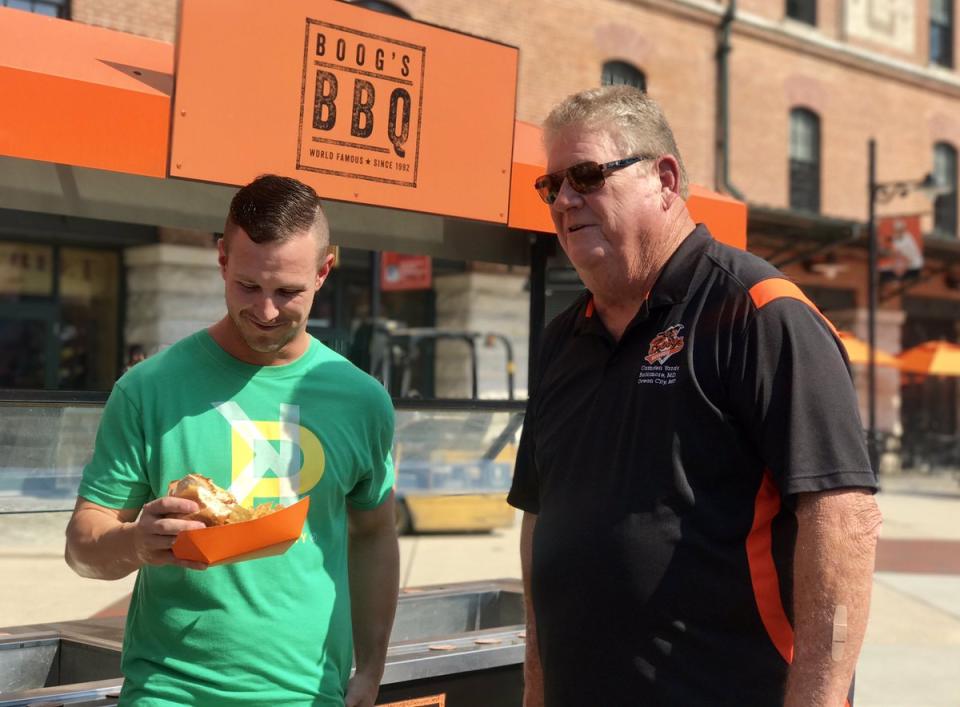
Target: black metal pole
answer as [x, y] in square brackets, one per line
[538, 289]
[872, 307]
[375, 287]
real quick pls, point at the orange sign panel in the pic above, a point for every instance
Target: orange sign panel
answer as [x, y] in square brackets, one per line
[363, 106]
[382, 80]
[431, 701]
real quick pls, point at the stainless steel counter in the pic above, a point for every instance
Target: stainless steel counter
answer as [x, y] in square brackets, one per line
[440, 633]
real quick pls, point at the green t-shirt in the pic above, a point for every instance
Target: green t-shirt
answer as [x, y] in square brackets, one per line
[270, 631]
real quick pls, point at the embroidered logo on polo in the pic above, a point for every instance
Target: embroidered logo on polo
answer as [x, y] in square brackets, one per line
[271, 458]
[664, 345]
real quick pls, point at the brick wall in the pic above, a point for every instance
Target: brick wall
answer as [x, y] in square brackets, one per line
[147, 18]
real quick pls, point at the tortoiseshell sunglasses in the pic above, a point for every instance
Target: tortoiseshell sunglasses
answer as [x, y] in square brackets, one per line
[584, 178]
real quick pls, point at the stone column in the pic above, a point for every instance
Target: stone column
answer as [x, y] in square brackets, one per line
[172, 291]
[484, 303]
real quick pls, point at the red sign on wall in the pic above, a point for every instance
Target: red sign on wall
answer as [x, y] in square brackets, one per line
[405, 272]
[901, 246]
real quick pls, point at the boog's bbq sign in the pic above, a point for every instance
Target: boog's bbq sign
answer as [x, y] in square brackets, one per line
[365, 107]
[361, 105]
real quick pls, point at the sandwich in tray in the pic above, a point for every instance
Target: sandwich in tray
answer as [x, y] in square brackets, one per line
[233, 532]
[217, 506]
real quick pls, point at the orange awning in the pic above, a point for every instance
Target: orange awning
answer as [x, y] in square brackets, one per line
[725, 217]
[96, 98]
[931, 358]
[83, 96]
[858, 351]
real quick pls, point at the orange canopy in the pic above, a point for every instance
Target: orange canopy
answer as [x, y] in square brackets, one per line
[96, 98]
[85, 96]
[858, 351]
[932, 358]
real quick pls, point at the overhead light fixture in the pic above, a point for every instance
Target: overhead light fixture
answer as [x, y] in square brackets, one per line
[829, 270]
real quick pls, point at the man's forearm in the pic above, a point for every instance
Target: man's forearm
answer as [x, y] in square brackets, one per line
[374, 582]
[532, 669]
[833, 575]
[99, 547]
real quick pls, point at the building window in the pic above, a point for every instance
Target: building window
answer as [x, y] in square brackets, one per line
[803, 11]
[59, 316]
[388, 8]
[945, 205]
[804, 160]
[51, 8]
[620, 73]
[941, 32]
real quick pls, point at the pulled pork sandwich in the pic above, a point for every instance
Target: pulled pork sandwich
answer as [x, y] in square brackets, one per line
[217, 506]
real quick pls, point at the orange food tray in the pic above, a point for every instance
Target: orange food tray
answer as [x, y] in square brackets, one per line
[271, 535]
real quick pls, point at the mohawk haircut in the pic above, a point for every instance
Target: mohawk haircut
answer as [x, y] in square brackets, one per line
[274, 208]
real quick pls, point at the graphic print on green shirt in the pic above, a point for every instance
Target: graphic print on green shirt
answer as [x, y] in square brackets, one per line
[276, 630]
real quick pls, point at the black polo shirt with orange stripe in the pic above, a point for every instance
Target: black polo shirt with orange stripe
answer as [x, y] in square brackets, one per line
[663, 470]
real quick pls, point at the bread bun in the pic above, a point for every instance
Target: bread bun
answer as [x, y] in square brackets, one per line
[217, 505]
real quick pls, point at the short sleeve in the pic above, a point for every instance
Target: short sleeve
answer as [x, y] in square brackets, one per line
[116, 475]
[524, 489]
[376, 480]
[792, 390]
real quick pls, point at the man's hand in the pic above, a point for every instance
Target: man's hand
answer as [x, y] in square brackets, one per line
[155, 532]
[110, 543]
[361, 691]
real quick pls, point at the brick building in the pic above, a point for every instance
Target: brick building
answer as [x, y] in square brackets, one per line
[773, 101]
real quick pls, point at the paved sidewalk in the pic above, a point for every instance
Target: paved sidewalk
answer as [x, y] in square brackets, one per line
[911, 657]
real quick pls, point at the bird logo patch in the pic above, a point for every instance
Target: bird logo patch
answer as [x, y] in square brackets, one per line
[665, 344]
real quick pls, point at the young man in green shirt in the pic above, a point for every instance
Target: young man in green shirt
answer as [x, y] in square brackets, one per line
[267, 411]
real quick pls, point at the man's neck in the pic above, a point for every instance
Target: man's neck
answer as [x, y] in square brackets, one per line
[619, 304]
[226, 336]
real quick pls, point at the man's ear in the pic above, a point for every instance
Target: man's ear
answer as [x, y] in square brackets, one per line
[323, 270]
[668, 169]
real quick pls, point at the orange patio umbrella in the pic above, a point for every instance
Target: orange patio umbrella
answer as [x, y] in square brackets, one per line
[858, 351]
[931, 358]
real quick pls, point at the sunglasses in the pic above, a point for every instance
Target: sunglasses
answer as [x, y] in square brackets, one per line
[584, 178]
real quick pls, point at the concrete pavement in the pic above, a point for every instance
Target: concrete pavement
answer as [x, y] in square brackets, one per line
[911, 656]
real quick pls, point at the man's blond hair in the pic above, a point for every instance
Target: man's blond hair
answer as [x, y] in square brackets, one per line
[634, 120]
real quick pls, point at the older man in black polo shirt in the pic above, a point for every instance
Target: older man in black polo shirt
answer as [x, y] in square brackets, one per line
[699, 524]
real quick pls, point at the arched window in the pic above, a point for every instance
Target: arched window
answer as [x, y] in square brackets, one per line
[51, 8]
[620, 73]
[387, 8]
[945, 205]
[802, 11]
[804, 160]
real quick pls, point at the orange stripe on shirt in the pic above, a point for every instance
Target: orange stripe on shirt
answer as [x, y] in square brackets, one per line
[763, 571]
[774, 288]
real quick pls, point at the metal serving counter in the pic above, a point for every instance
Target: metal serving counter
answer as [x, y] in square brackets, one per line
[463, 641]
[454, 460]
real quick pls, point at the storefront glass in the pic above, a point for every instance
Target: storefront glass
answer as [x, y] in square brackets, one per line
[59, 317]
[446, 328]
